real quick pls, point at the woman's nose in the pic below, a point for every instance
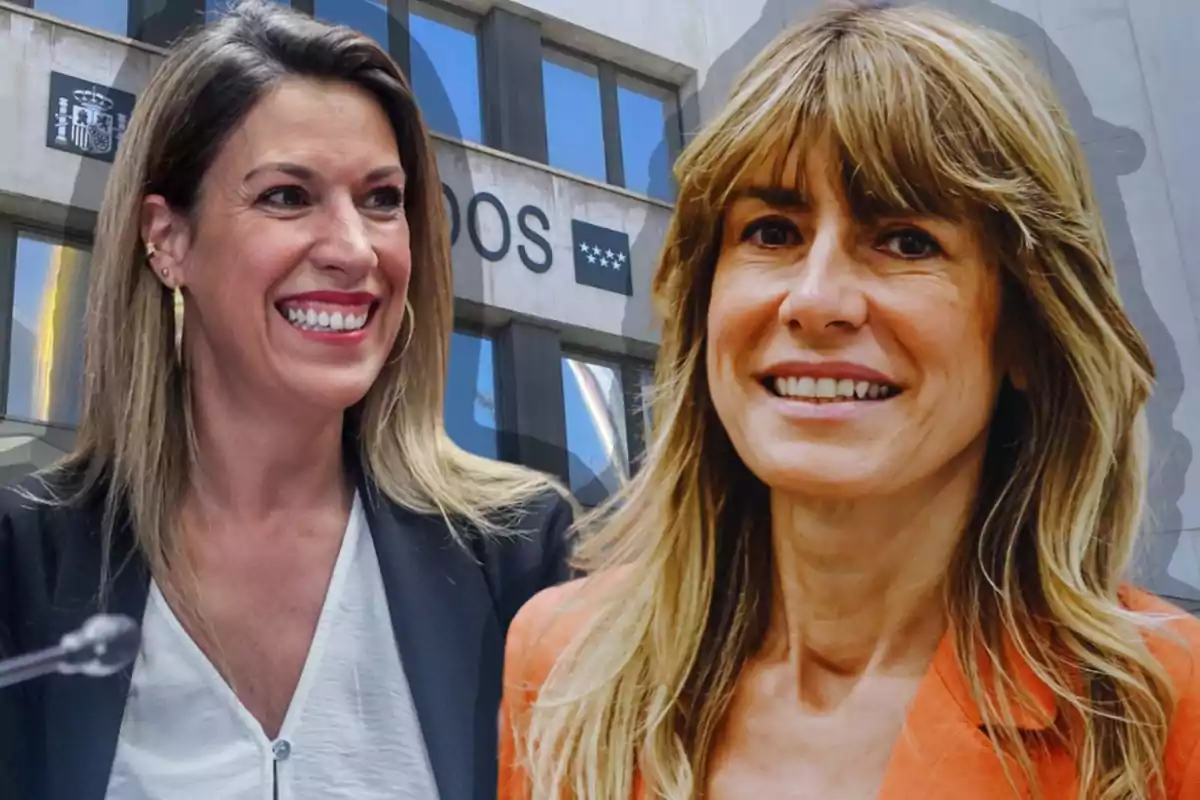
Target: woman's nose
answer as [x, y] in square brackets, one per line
[347, 244]
[826, 292]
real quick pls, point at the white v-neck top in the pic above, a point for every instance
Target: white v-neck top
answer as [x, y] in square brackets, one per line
[351, 731]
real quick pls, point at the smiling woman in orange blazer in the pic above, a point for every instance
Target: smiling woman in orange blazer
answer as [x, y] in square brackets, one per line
[899, 460]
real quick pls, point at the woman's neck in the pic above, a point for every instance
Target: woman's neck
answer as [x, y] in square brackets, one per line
[252, 460]
[858, 583]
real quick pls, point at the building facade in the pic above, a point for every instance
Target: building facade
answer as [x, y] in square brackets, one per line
[556, 125]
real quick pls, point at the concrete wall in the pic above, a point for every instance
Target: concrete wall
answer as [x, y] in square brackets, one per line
[588, 315]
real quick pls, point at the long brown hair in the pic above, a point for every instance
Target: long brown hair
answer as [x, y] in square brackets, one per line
[933, 115]
[135, 439]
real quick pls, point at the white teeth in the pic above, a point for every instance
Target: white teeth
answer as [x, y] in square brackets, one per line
[311, 319]
[809, 388]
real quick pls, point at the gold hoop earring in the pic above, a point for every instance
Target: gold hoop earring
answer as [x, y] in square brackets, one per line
[178, 302]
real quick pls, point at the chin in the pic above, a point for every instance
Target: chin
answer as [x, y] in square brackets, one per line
[333, 392]
[815, 472]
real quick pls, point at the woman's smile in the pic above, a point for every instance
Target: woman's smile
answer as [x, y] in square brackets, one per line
[827, 390]
[330, 316]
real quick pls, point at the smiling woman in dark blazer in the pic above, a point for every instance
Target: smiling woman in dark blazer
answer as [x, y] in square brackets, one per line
[262, 477]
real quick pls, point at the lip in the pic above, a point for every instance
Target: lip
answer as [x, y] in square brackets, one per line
[838, 370]
[329, 297]
[343, 338]
[823, 412]
[332, 298]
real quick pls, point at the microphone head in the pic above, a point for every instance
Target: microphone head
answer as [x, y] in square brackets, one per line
[105, 644]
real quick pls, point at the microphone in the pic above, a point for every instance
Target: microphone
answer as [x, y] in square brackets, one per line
[105, 644]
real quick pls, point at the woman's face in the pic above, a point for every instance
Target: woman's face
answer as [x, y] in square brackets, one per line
[296, 261]
[848, 357]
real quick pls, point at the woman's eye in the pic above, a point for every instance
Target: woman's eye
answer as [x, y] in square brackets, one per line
[910, 243]
[285, 196]
[771, 232]
[386, 198]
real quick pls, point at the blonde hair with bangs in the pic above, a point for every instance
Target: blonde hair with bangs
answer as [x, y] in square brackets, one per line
[928, 114]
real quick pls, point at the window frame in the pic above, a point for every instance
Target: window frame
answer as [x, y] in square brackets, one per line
[637, 418]
[391, 9]
[627, 368]
[133, 21]
[672, 123]
[463, 20]
[469, 327]
[11, 229]
[610, 74]
[569, 54]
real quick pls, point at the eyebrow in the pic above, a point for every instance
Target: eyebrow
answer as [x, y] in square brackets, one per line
[304, 173]
[790, 199]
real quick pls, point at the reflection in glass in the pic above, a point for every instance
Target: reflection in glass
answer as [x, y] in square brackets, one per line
[645, 397]
[45, 369]
[445, 71]
[596, 435]
[215, 8]
[366, 16]
[111, 16]
[471, 394]
[645, 114]
[574, 126]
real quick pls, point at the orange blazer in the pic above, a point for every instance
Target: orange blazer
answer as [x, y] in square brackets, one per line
[942, 754]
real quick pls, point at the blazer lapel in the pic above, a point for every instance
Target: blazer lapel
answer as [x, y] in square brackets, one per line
[83, 715]
[945, 754]
[940, 755]
[449, 640]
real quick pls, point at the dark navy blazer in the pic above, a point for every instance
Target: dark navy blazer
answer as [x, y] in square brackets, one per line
[450, 608]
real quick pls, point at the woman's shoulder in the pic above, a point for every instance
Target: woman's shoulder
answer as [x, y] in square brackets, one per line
[549, 622]
[1173, 636]
[1175, 641]
[37, 501]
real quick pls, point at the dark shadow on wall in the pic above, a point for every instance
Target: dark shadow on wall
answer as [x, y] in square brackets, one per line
[1112, 151]
[469, 267]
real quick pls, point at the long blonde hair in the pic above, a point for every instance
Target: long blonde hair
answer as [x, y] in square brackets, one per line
[135, 440]
[933, 115]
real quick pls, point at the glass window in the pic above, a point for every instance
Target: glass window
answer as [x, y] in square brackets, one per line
[646, 113]
[111, 16]
[471, 394]
[45, 368]
[645, 394]
[574, 125]
[445, 71]
[598, 450]
[367, 16]
[215, 8]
